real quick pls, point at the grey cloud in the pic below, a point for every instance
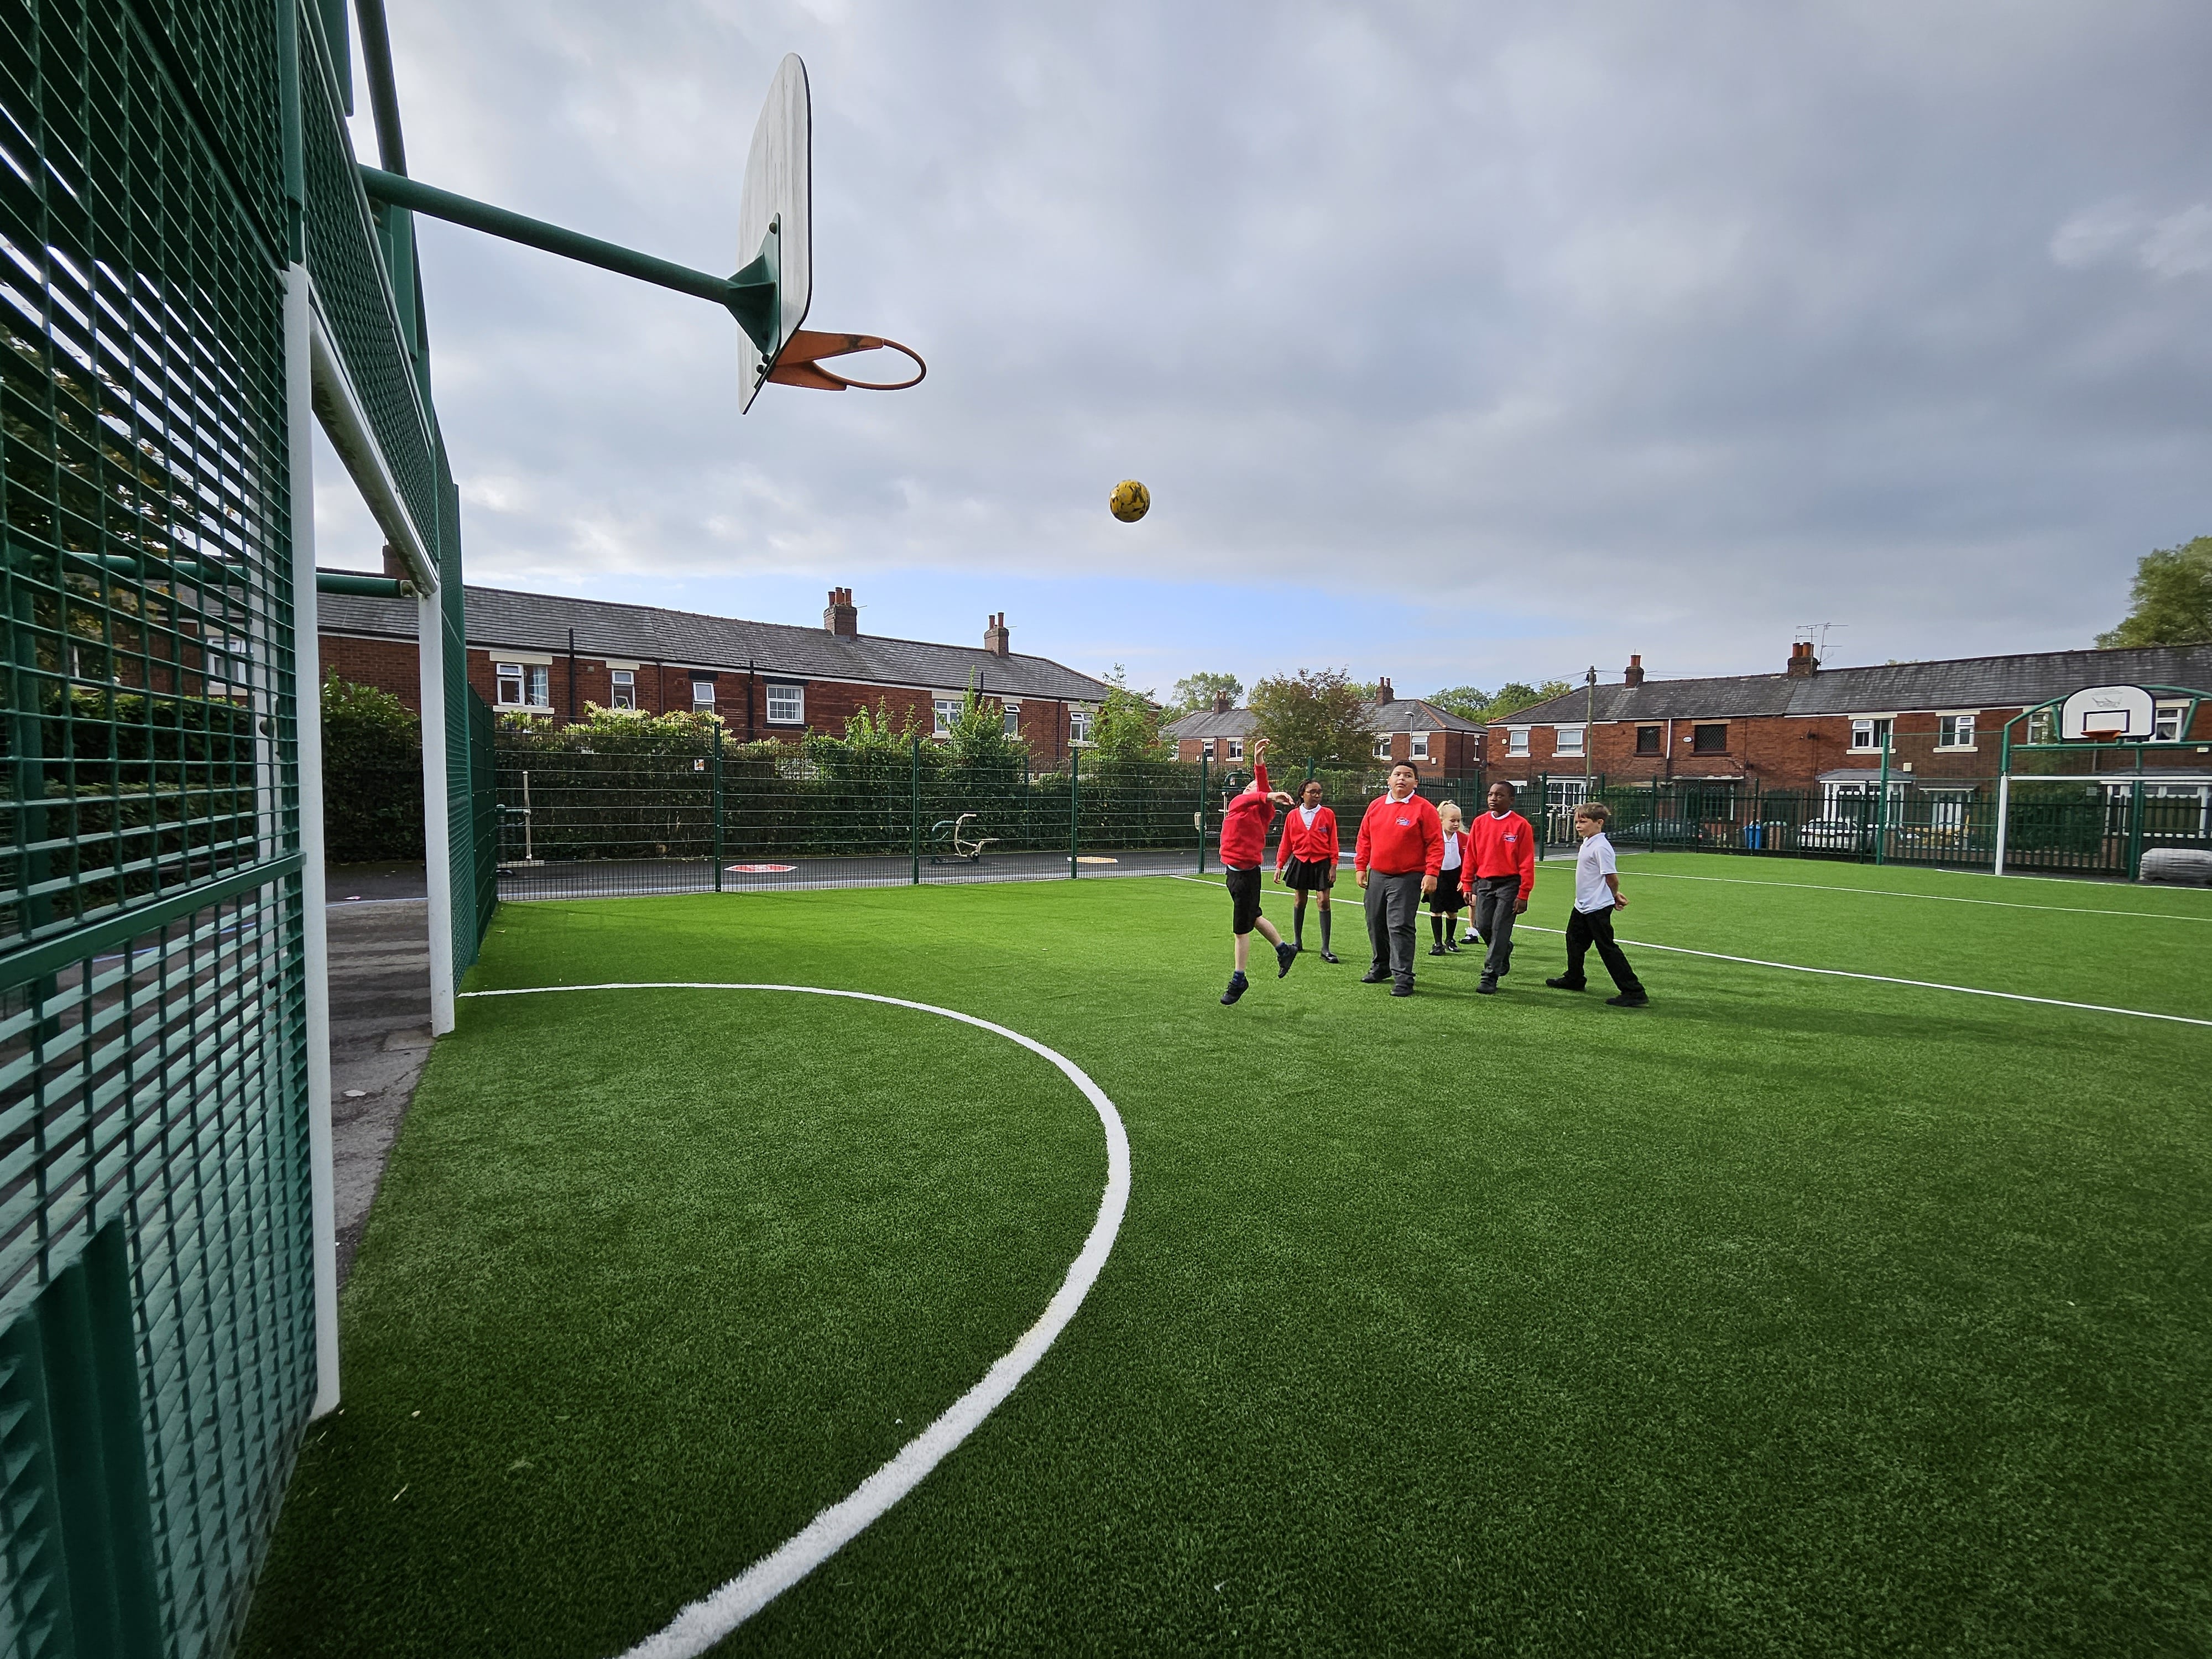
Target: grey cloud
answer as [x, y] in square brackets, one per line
[1609, 324]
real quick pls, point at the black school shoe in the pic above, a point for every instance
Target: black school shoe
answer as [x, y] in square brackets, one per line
[1626, 999]
[1487, 986]
[1373, 976]
[1286, 958]
[1566, 984]
[1452, 946]
[1237, 986]
[1402, 986]
[1436, 949]
[1328, 956]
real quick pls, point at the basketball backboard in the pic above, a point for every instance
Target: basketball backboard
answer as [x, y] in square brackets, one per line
[775, 219]
[2108, 712]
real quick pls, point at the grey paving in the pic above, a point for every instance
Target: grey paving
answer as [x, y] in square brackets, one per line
[379, 1039]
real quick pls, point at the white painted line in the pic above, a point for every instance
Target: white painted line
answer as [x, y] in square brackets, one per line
[707, 1621]
[1843, 973]
[1941, 898]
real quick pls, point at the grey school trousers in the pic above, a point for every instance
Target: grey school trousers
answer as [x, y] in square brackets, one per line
[1393, 905]
[1494, 899]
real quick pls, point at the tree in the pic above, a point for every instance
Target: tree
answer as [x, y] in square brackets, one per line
[2172, 596]
[1194, 694]
[1126, 727]
[1469, 702]
[1317, 715]
[372, 775]
[976, 739]
[1513, 696]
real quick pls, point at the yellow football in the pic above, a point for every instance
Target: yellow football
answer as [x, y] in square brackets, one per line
[1131, 500]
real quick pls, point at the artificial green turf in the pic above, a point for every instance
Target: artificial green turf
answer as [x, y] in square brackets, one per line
[1791, 1314]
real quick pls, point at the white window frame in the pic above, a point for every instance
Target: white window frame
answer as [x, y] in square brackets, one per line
[1568, 740]
[2165, 719]
[227, 659]
[1878, 727]
[2043, 726]
[622, 687]
[1013, 716]
[943, 711]
[1517, 739]
[1382, 746]
[1417, 746]
[1962, 739]
[1079, 727]
[791, 699]
[1236, 749]
[702, 704]
[506, 675]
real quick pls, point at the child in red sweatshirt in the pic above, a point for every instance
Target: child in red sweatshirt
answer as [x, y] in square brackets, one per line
[1498, 878]
[1307, 863]
[1244, 823]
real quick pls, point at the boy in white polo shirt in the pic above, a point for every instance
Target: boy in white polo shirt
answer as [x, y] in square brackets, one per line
[1597, 895]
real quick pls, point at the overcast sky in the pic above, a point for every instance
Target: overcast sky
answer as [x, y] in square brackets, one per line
[1457, 343]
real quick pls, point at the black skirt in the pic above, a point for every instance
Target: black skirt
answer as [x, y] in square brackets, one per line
[1306, 875]
[1448, 897]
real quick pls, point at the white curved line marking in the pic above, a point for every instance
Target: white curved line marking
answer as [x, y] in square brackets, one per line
[707, 1621]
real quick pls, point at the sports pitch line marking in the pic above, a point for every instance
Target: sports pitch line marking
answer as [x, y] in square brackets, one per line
[1941, 898]
[1842, 973]
[705, 1622]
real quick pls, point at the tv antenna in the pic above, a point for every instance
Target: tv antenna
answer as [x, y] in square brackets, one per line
[1817, 633]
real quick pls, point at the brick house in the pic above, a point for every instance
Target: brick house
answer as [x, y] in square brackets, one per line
[1813, 729]
[1406, 728]
[541, 657]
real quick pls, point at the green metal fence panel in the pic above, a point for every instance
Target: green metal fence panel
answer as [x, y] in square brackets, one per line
[152, 991]
[484, 823]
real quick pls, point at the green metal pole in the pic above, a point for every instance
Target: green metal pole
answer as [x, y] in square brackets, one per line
[1652, 836]
[1074, 810]
[2135, 826]
[915, 803]
[1882, 809]
[714, 793]
[1543, 811]
[750, 296]
[1203, 758]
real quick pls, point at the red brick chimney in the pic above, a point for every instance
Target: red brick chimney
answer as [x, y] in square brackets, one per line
[1223, 703]
[1634, 674]
[1802, 663]
[1382, 691]
[997, 640]
[843, 617]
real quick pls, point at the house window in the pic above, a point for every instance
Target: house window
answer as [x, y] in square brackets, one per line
[1079, 726]
[1236, 749]
[1382, 747]
[622, 692]
[786, 705]
[702, 696]
[2043, 726]
[228, 663]
[2166, 722]
[1420, 749]
[1709, 739]
[946, 710]
[525, 685]
[1647, 739]
[1870, 733]
[1954, 731]
[1517, 739]
[1013, 713]
[1566, 740]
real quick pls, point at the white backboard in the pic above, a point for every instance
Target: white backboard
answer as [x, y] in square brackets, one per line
[2108, 712]
[779, 187]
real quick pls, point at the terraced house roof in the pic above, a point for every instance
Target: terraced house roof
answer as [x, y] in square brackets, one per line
[688, 639]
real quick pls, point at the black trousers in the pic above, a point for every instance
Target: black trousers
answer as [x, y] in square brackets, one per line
[1494, 899]
[1393, 905]
[1589, 927]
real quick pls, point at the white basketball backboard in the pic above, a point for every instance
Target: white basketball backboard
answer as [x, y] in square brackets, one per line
[2110, 713]
[778, 191]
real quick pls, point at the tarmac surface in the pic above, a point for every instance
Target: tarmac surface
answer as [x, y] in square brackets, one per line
[379, 925]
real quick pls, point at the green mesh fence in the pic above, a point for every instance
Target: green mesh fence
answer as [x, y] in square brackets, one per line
[156, 1293]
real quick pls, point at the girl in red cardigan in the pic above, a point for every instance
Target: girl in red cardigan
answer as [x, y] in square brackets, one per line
[1306, 862]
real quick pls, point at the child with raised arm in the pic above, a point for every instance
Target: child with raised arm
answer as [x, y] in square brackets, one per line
[1597, 895]
[1307, 861]
[1244, 823]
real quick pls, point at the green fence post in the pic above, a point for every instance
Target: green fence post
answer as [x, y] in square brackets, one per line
[1543, 813]
[714, 792]
[1651, 830]
[913, 804]
[1881, 810]
[1198, 817]
[2135, 826]
[1074, 809]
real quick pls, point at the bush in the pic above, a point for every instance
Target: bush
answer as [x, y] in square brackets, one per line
[372, 775]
